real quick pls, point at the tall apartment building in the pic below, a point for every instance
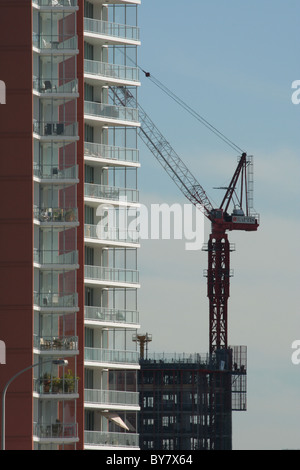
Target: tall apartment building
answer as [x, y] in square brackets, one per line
[68, 265]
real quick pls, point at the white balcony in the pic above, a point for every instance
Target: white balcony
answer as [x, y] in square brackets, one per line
[109, 155]
[100, 32]
[116, 2]
[54, 174]
[102, 73]
[55, 216]
[55, 131]
[111, 277]
[56, 345]
[111, 400]
[56, 5]
[110, 236]
[55, 44]
[96, 194]
[110, 440]
[56, 388]
[55, 87]
[111, 358]
[55, 259]
[106, 114]
[111, 317]
[56, 432]
[48, 301]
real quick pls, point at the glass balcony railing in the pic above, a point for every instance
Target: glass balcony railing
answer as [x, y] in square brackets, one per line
[120, 72]
[56, 3]
[100, 191]
[101, 110]
[55, 129]
[55, 43]
[53, 172]
[53, 385]
[55, 214]
[111, 397]
[113, 30]
[56, 343]
[56, 430]
[101, 273]
[55, 299]
[117, 439]
[103, 314]
[111, 234]
[110, 152]
[55, 257]
[55, 85]
[111, 356]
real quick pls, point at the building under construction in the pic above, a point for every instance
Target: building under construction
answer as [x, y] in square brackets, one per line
[187, 400]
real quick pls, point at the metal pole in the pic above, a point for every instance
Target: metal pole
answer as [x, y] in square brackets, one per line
[59, 362]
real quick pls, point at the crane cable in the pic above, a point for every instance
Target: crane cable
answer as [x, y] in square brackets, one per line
[192, 112]
[185, 106]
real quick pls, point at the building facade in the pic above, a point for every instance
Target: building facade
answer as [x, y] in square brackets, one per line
[68, 270]
[187, 399]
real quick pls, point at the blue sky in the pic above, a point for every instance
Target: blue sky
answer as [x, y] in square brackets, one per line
[234, 63]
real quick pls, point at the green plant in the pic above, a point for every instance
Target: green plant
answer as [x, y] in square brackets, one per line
[70, 381]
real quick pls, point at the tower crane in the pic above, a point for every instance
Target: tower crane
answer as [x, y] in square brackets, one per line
[224, 218]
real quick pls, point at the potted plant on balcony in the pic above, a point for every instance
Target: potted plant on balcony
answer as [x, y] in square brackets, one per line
[70, 380]
[57, 385]
[46, 382]
[70, 215]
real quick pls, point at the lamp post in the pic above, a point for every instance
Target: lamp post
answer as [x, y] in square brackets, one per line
[53, 361]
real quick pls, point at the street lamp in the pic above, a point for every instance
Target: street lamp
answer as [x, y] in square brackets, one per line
[59, 362]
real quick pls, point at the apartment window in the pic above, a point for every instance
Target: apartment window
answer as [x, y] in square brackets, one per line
[88, 10]
[89, 337]
[88, 133]
[89, 420]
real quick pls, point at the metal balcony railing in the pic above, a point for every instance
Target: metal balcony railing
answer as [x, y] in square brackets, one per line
[110, 152]
[114, 30]
[104, 314]
[103, 273]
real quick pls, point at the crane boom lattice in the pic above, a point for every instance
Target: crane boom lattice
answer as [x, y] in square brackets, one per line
[166, 155]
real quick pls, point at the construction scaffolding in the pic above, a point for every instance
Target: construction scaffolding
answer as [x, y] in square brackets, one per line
[187, 400]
